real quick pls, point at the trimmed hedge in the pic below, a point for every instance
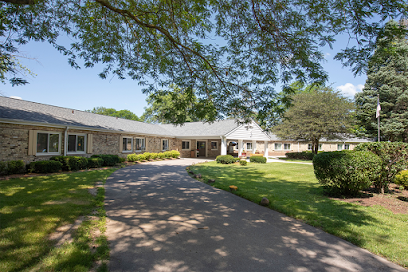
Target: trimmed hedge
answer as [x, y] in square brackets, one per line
[304, 155]
[108, 160]
[153, 156]
[394, 157]
[346, 172]
[257, 159]
[225, 159]
[71, 163]
[402, 179]
[51, 166]
[243, 162]
[95, 162]
[3, 168]
[12, 167]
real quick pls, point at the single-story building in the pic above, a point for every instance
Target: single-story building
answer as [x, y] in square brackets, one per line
[32, 131]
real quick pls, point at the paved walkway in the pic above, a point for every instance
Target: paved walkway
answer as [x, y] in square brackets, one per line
[160, 219]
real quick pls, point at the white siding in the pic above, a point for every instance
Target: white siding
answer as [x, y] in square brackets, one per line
[248, 132]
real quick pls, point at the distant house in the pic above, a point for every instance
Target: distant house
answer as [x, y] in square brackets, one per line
[32, 131]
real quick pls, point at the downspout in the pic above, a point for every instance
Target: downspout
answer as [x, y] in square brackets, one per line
[66, 141]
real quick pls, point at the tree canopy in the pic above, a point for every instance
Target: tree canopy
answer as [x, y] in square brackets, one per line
[125, 114]
[322, 113]
[387, 77]
[230, 53]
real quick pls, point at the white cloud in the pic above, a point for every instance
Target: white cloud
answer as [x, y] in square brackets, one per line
[350, 90]
[16, 97]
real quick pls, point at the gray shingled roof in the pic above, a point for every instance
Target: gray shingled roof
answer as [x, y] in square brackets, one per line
[199, 129]
[349, 139]
[26, 111]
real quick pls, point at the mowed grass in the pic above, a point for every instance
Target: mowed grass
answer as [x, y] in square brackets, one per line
[32, 208]
[293, 190]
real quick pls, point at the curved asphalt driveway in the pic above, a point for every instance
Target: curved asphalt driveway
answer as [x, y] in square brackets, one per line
[160, 219]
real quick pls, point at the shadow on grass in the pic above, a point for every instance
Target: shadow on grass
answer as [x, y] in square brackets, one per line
[296, 194]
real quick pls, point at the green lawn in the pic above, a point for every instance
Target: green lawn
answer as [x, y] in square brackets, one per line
[32, 208]
[293, 190]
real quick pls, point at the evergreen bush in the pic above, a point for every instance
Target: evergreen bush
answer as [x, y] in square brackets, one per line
[16, 167]
[346, 172]
[108, 160]
[50, 166]
[3, 168]
[243, 162]
[402, 179]
[161, 155]
[304, 155]
[225, 159]
[257, 159]
[95, 162]
[174, 154]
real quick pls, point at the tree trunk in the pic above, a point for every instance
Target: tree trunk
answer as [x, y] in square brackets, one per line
[315, 146]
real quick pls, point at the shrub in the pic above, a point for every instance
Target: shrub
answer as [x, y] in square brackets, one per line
[153, 156]
[147, 155]
[132, 158]
[3, 168]
[257, 159]
[161, 155]
[167, 154]
[15, 167]
[174, 154]
[346, 172]
[71, 163]
[141, 157]
[243, 162]
[225, 159]
[402, 179]
[305, 155]
[108, 160]
[95, 162]
[394, 157]
[50, 166]
[63, 160]
[122, 159]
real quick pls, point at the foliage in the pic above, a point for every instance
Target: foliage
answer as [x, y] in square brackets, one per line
[177, 106]
[3, 168]
[304, 155]
[153, 156]
[257, 159]
[147, 155]
[125, 114]
[132, 157]
[174, 154]
[108, 160]
[15, 167]
[95, 162]
[71, 163]
[394, 157]
[402, 178]
[225, 159]
[159, 43]
[243, 162]
[292, 189]
[161, 155]
[322, 113]
[387, 77]
[346, 172]
[142, 157]
[51, 166]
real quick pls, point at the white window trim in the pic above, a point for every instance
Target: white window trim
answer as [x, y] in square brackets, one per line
[311, 146]
[48, 153]
[131, 144]
[216, 145]
[142, 150]
[340, 148]
[249, 149]
[168, 142]
[85, 143]
[286, 149]
[189, 145]
[274, 146]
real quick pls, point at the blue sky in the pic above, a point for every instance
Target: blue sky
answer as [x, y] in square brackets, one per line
[56, 83]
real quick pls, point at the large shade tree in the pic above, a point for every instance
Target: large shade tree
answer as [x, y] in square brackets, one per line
[230, 53]
[387, 77]
[322, 113]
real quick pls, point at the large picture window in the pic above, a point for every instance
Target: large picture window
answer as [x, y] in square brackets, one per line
[165, 144]
[127, 144]
[140, 144]
[76, 143]
[185, 145]
[48, 143]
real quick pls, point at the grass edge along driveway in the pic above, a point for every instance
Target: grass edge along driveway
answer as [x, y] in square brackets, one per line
[32, 208]
[292, 189]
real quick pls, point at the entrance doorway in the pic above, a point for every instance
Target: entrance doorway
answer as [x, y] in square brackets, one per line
[201, 149]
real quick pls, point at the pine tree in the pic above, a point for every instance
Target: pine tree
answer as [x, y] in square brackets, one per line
[388, 77]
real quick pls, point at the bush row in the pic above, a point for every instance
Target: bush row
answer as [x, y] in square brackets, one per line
[226, 159]
[153, 156]
[12, 167]
[304, 155]
[346, 172]
[257, 159]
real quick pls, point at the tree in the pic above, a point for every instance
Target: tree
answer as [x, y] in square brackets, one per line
[387, 77]
[323, 113]
[176, 106]
[125, 114]
[229, 53]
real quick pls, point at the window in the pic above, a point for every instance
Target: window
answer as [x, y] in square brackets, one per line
[214, 145]
[346, 146]
[185, 145]
[249, 146]
[320, 146]
[76, 143]
[165, 144]
[127, 144]
[339, 147]
[48, 143]
[309, 147]
[286, 146]
[278, 146]
[140, 144]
